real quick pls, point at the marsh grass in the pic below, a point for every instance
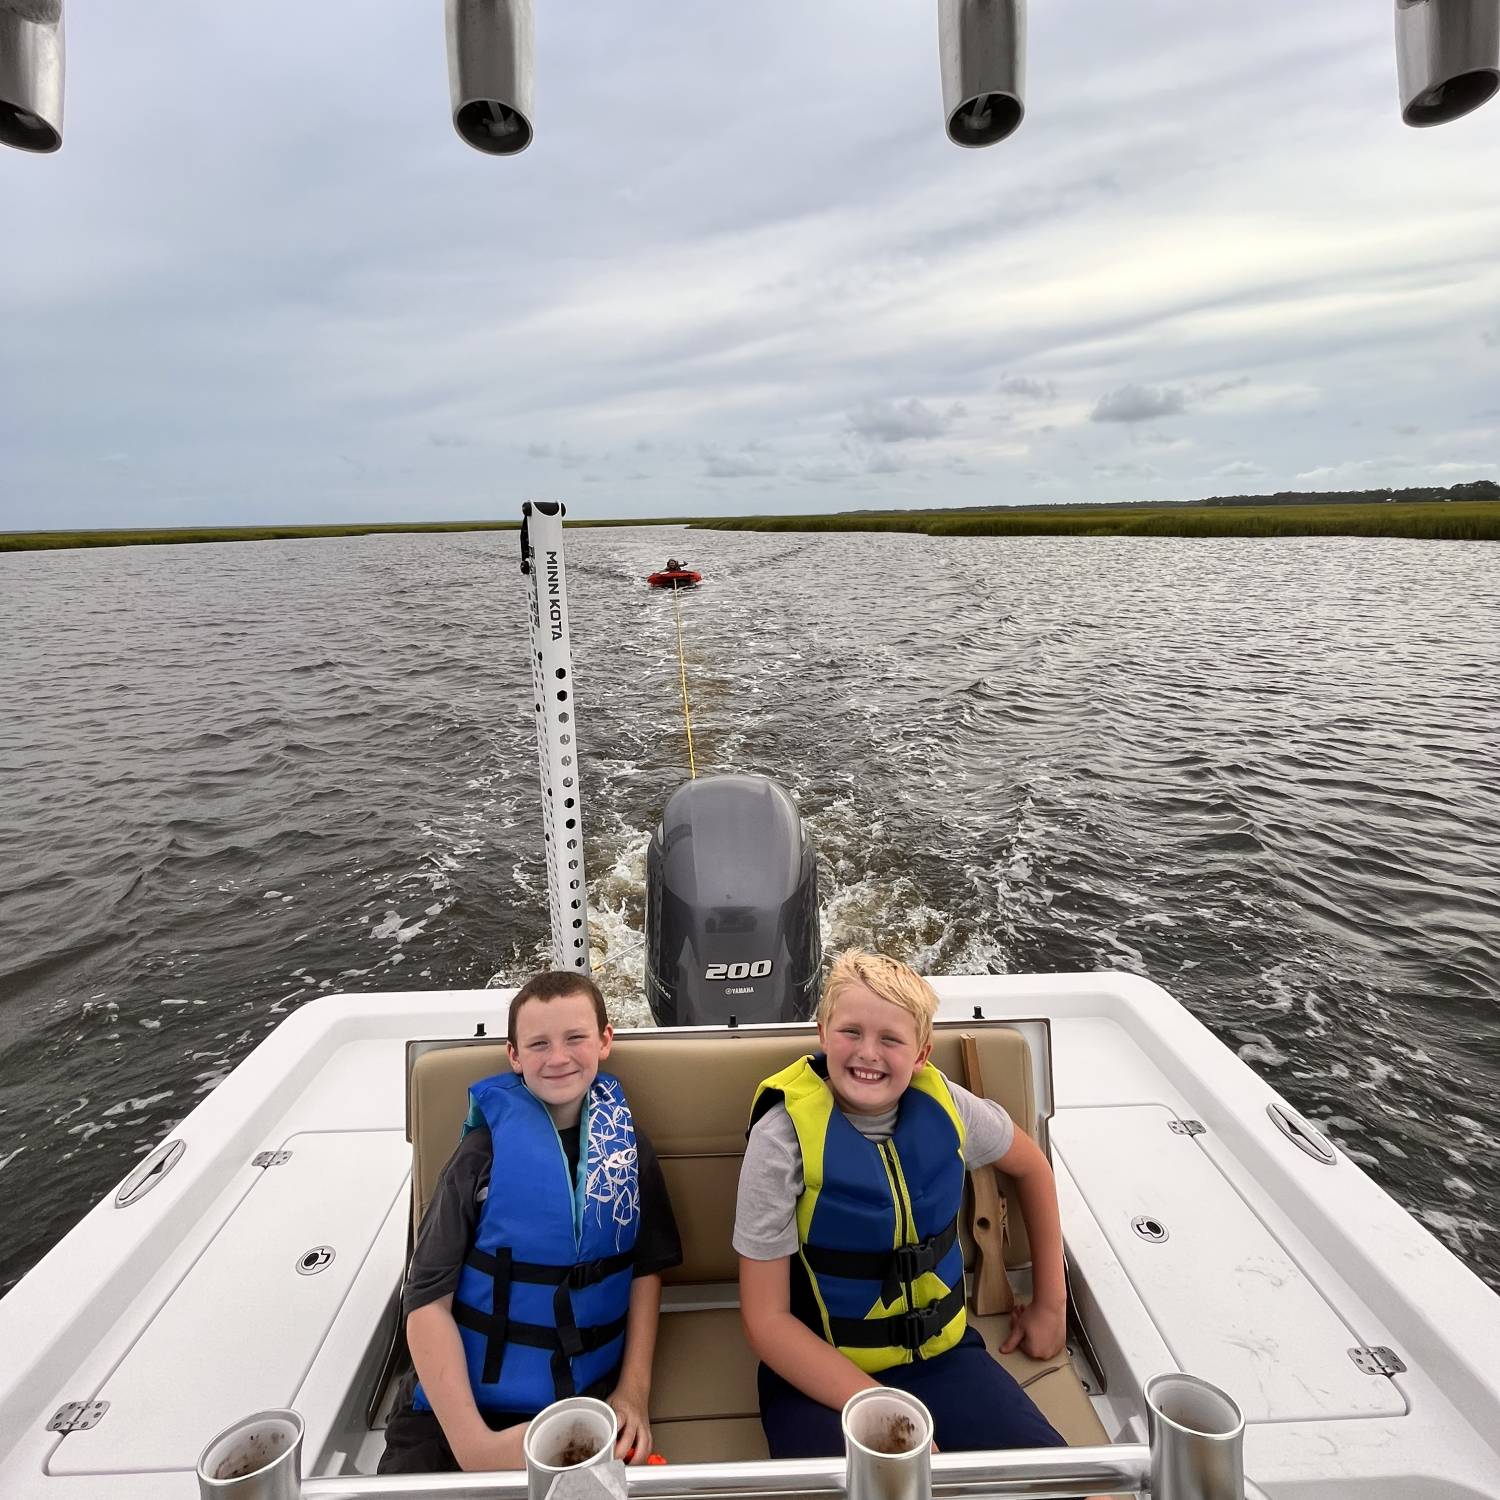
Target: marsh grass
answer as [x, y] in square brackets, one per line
[34, 541]
[1444, 520]
[1456, 520]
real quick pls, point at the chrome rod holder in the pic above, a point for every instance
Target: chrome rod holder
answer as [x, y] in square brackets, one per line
[1447, 58]
[31, 74]
[490, 46]
[982, 49]
[1197, 1440]
[257, 1458]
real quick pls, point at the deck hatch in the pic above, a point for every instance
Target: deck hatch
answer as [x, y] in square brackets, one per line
[1226, 1296]
[242, 1327]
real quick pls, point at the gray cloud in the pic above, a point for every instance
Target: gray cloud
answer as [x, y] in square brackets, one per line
[1138, 403]
[825, 471]
[447, 440]
[1219, 387]
[1126, 471]
[1024, 385]
[899, 421]
[748, 462]
[1240, 468]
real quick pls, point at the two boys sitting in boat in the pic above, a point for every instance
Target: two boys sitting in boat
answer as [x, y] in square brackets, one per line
[551, 1286]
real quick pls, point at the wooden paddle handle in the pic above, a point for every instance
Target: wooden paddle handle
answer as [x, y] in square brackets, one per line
[992, 1293]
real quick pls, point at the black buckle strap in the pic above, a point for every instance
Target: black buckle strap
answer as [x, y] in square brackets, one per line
[586, 1273]
[538, 1335]
[908, 1330]
[567, 1340]
[893, 1269]
[496, 1328]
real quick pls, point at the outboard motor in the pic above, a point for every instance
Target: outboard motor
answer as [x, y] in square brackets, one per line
[731, 906]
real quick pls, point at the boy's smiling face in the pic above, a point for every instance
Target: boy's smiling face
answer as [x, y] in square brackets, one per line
[557, 1052]
[872, 1050]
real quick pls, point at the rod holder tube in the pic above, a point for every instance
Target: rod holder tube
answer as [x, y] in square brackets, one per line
[490, 69]
[1197, 1440]
[887, 1446]
[982, 51]
[1447, 57]
[257, 1458]
[575, 1433]
[1120, 1469]
[32, 56]
[556, 731]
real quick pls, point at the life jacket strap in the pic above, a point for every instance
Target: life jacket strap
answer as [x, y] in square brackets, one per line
[909, 1330]
[566, 1340]
[537, 1336]
[586, 1273]
[892, 1268]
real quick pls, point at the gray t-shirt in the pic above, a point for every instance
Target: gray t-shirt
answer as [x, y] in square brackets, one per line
[765, 1216]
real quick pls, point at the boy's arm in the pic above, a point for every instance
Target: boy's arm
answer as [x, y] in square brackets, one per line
[1040, 1327]
[787, 1344]
[438, 1353]
[631, 1397]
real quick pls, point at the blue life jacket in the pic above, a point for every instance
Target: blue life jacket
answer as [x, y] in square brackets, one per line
[543, 1295]
[879, 1271]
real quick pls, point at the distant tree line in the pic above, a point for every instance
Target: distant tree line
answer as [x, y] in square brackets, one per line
[1476, 489]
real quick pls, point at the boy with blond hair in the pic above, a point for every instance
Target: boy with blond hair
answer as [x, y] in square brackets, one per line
[858, 1149]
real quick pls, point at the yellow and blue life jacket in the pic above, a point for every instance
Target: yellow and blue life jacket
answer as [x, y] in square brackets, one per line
[879, 1270]
[543, 1295]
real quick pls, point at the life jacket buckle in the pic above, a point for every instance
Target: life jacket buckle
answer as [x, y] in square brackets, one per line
[913, 1261]
[913, 1329]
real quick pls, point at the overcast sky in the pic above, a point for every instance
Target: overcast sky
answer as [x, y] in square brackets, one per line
[740, 268]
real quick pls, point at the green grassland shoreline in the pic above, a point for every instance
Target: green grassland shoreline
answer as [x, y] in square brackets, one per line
[1477, 520]
[1447, 520]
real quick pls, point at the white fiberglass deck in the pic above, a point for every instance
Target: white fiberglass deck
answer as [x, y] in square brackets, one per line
[194, 1305]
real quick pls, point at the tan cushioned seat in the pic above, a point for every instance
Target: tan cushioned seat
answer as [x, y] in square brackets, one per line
[691, 1093]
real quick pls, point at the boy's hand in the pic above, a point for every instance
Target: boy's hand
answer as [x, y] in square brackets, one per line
[1039, 1330]
[494, 1450]
[634, 1441]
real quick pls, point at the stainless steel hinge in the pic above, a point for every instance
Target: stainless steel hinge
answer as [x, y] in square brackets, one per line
[77, 1416]
[1185, 1127]
[271, 1158]
[1378, 1359]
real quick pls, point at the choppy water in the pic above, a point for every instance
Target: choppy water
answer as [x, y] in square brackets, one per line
[1262, 772]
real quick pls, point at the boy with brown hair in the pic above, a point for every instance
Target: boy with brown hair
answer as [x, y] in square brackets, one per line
[542, 1278]
[851, 1152]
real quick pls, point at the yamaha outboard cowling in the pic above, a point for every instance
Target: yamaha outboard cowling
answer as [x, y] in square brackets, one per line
[731, 906]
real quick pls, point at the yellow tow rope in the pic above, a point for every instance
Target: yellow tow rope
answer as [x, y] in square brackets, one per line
[687, 717]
